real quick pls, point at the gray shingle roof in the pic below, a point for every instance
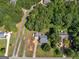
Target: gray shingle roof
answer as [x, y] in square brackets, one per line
[46, 1]
[63, 35]
[43, 39]
[2, 34]
[4, 58]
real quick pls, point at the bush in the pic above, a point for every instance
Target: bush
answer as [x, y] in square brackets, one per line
[68, 52]
[56, 51]
[46, 47]
[52, 44]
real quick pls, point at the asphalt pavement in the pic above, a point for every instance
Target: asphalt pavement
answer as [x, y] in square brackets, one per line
[37, 58]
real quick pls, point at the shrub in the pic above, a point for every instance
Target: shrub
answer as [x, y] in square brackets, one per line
[45, 47]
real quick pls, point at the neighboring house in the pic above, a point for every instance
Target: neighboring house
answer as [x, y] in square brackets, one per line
[2, 34]
[64, 37]
[4, 57]
[46, 1]
[13, 1]
[69, 0]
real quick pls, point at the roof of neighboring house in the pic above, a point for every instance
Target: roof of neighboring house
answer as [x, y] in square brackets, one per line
[46, 1]
[2, 34]
[63, 35]
[43, 39]
[4, 57]
[69, 0]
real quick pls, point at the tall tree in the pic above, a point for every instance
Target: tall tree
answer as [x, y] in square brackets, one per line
[40, 18]
[9, 15]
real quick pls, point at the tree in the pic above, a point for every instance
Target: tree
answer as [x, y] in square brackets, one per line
[68, 52]
[9, 15]
[26, 3]
[39, 18]
[74, 28]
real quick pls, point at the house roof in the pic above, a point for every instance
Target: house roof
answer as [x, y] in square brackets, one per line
[37, 34]
[63, 35]
[4, 58]
[43, 39]
[69, 0]
[46, 1]
[2, 34]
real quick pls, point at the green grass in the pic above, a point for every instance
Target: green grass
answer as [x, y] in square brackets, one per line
[51, 53]
[26, 3]
[2, 45]
[12, 43]
[1, 53]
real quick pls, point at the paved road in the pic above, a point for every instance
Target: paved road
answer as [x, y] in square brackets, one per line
[36, 58]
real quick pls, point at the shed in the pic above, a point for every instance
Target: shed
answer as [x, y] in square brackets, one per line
[43, 39]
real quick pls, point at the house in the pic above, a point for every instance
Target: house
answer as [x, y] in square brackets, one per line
[13, 1]
[36, 35]
[64, 39]
[63, 35]
[46, 1]
[2, 34]
[40, 37]
[4, 57]
[69, 0]
[43, 39]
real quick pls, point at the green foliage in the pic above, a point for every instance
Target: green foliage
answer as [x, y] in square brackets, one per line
[68, 52]
[46, 47]
[56, 51]
[26, 3]
[39, 18]
[9, 15]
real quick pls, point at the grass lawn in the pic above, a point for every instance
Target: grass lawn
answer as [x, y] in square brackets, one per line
[2, 45]
[12, 43]
[11, 47]
[26, 3]
[51, 53]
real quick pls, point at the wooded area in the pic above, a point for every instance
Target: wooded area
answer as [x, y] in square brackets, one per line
[57, 16]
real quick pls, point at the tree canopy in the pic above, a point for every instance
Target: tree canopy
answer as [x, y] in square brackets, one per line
[57, 16]
[39, 18]
[9, 15]
[26, 3]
